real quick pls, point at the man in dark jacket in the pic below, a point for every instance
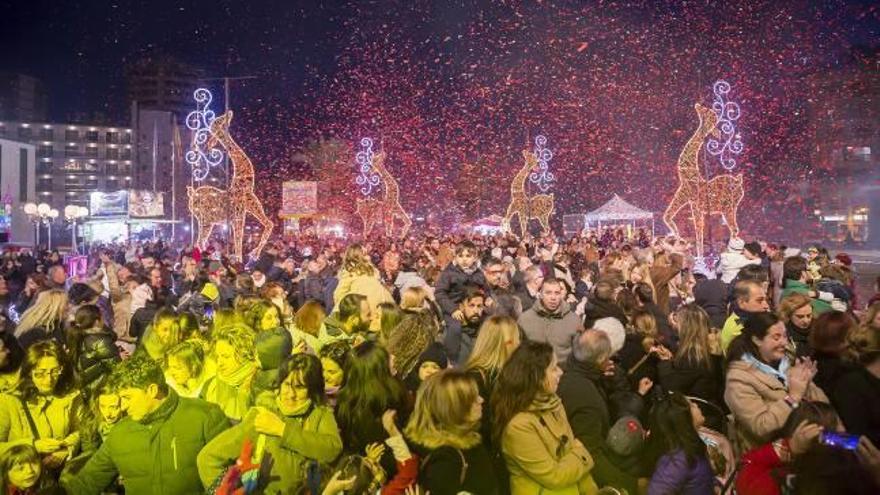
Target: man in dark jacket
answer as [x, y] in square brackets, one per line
[533, 277]
[711, 295]
[154, 448]
[462, 334]
[602, 305]
[588, 408]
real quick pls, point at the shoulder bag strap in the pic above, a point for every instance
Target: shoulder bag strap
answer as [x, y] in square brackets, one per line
[30, 419]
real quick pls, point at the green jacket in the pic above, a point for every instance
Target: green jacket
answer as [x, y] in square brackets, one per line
[310, 435]
[156, 456]
[796, 287]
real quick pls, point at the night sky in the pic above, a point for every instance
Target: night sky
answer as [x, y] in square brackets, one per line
[442, 83]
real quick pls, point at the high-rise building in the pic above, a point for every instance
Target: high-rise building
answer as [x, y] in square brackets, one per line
[22, 98]
[162, 83]
[73, 160]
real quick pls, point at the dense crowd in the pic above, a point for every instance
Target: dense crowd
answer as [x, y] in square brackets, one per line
[487, 365]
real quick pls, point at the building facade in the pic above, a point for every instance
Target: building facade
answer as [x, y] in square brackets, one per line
[17, 187]
[74, 160]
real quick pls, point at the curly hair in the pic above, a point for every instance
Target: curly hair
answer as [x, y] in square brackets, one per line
[139, 372]
[241, 338]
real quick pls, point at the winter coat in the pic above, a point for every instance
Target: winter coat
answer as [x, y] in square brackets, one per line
[156, 455]
[233, 401]
[366, 285]
[451, 284]
[54, 417]
[459, 339]
[675, 475]
[731, 263]
[120, 301]
[311, 288]
[552, 327]
[309, 436]
[856, 398]
[97, 355]
[757, 402]
[449, 471]
[711, 295]
[694, 380]
[661, 276]
[597, 309]
[830, 369]
[543, 455]
[799, 339]
[587, 408]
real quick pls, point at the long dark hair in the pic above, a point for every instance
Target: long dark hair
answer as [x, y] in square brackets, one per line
[756, 325]
[370, 389]
[309, 373]
[672, 426]
[15, 354]
[520, 381]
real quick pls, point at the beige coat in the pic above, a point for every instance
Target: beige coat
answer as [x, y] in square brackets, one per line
[365, 285]
[120, 301]
[757, 402]
[58, 419]
[544, 456]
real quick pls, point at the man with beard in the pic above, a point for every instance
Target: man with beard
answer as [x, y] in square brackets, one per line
[551, 319]
[461, 333]
[350, 322]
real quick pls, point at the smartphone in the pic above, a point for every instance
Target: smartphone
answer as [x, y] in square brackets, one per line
[839, 440]
[209, 312]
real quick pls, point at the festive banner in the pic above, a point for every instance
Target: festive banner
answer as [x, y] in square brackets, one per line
[111, 204]
[145, 204]
[298, 198]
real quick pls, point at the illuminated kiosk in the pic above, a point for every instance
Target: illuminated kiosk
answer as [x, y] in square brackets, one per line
[617, 210]
[121, 215]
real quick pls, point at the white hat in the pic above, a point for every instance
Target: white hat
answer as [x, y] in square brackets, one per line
[736, 244]
[613, 328]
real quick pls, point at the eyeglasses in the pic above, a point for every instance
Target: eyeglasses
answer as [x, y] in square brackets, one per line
[53, 373]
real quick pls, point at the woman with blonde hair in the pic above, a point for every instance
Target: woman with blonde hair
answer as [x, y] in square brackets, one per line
[443, 430]
[796, 310]
[236, 357]
[359, 276]
[308, 322]
[694, 370]
[413, 298]
[43, 320]
[498, 338]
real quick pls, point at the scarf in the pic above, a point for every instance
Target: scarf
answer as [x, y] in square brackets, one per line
[238, 377]
[780, 373]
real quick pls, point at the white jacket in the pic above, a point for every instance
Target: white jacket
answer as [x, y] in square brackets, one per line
[731, 263]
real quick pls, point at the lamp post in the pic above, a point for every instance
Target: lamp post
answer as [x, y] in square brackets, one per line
[41, 214]
[73, 214]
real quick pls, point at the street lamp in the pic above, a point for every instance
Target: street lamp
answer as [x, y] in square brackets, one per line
[41, 213]
[73, 214]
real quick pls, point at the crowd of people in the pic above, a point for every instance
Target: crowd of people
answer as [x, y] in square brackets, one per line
[473, 364]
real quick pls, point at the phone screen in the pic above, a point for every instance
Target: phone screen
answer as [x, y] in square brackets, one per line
[209, 312]
[839, 440]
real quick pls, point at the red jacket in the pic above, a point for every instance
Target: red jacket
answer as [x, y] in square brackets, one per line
[407, 473]
[760, 471]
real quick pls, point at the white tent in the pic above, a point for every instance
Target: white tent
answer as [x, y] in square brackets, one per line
[617, 209]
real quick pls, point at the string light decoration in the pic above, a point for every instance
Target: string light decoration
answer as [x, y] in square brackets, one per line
[543, 176]
[373, 211]
[211, 206]
[720, 195]
[367, 177]
[201, 157]
[524, 207]
[728, 113]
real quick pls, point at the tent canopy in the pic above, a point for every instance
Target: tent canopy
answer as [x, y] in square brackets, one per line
[618, 209]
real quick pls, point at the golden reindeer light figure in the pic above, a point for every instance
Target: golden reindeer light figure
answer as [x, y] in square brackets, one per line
[385, 211]
[523, 206]
[210, 205]
[720, 195]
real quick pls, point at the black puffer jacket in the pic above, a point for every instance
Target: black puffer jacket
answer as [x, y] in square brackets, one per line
[96, 356]
[451, 284]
